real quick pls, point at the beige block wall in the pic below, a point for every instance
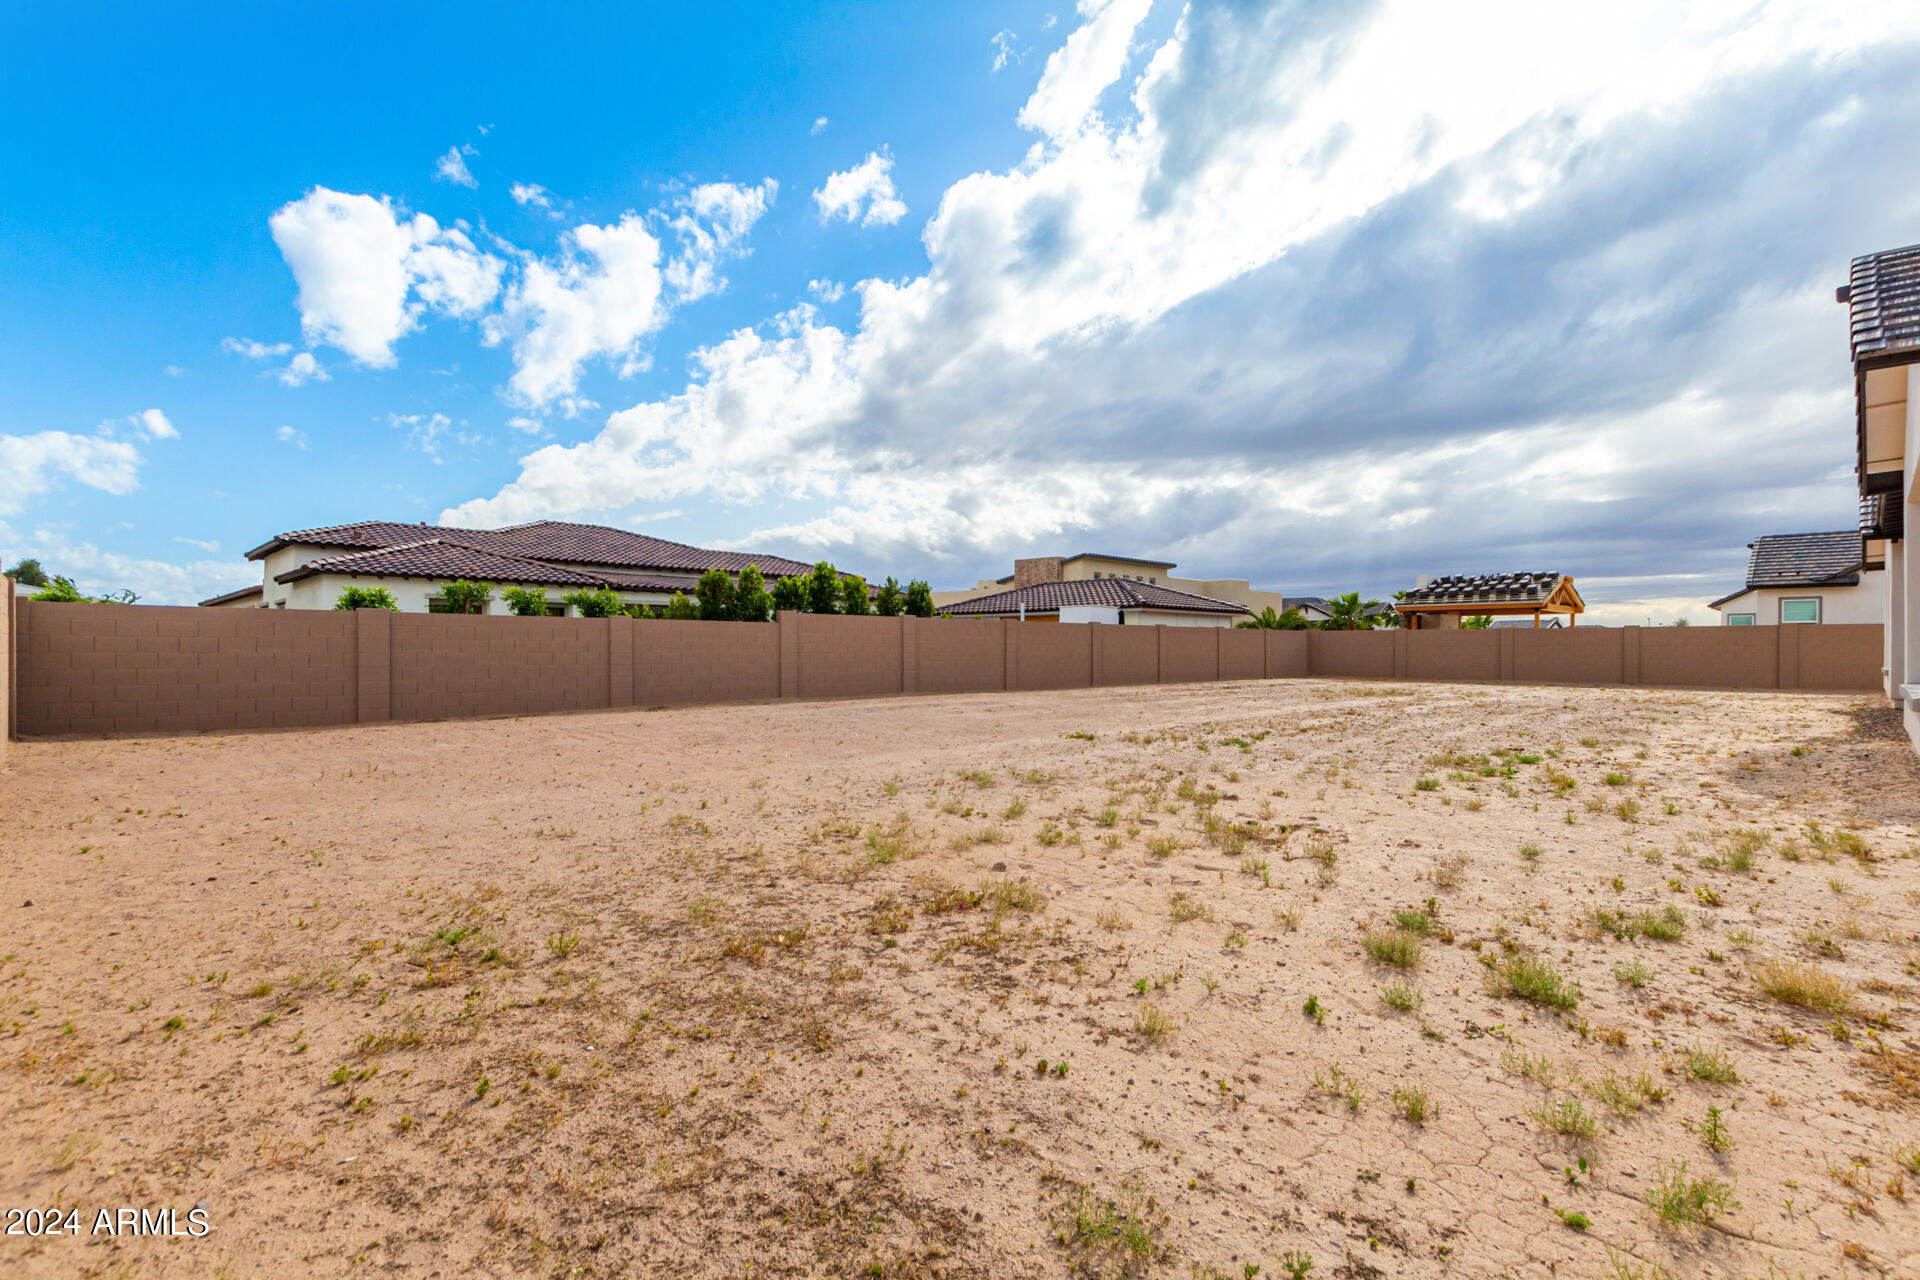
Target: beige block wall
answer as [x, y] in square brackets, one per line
[6, 666]
[97, 670]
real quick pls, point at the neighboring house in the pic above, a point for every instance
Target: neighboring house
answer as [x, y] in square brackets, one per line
[1440, 603]
[1116, 600]
[1883, 297]
[1090, 566]
[1314, 609]
[1805, 577]
[309, 568]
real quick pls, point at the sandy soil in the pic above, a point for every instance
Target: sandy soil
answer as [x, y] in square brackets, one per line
[978, 986]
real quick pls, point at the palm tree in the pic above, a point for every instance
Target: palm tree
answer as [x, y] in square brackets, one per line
[1268, 620]
[1350, 613]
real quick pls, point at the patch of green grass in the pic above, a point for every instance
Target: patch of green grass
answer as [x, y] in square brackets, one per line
[1633, 973]
[1396, 947]
[1153, 1023]
[1624, 1094]
[1010, 895]
[562, 944]
[1415, 920]
[1532, 978]
[1679, 1200]
[1566, 1117]
[1427, 784]
[1712, 1065]
[1183, 906]
[1807, 986]
[978, 777]
[1415, 1102]
[1668, 925]
[1398, 995]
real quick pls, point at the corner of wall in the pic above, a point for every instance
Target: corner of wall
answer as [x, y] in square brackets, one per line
[7, 667]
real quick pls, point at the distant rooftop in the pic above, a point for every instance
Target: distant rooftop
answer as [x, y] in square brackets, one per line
[1800, 559]
[1883, 294]
[1111, 593]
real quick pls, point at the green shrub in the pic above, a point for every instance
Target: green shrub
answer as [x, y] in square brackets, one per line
[789, 595]
[681, 609]
[28, 573]
[598, 603]
[463, 595]
[526, 602]
[823, 589]
[853, 595]
[716, 596]
[890, 602]
[751, 603]
[357, 598]
[638, 611]
[919, 598]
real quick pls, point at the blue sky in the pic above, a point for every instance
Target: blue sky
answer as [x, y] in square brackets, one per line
[1322, 297]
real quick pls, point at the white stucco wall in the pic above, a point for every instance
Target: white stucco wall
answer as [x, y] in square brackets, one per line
[321, 590]
[1169, 618]
[1089, 613]
[1866, 602]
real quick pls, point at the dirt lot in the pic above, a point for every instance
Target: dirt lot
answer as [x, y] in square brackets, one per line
[1179, 981]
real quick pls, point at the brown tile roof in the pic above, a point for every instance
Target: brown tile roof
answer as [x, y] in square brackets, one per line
[1800, 559]
[439, 558]
[1883, 299]
[564, 543]
[1112, 593]
[231, 596]
[552, 541]
[1485, 588]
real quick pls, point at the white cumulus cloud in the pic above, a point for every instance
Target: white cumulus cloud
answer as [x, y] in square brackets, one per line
[255, 350]
[452, 167]
[155, 424]
[712, 224]
[303, 368]
[862, 194]
[366, 271]
[1396, 288]
[1079, 71]
[30, 465]
[531, 193]
[597, 299]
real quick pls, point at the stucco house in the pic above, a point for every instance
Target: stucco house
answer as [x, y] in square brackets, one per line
[1092, 566]
[309, 568]
[1115, 601]
[1882, 295]
[1795, 578]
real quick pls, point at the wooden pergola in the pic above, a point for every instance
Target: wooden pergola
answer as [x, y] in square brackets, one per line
[1444, 602]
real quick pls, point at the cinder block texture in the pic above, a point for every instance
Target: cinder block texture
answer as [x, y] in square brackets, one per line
[90, 669]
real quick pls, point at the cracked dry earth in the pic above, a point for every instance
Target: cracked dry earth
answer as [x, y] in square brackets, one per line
[996, 985]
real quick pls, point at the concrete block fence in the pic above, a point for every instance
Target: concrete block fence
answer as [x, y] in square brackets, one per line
[94, 670]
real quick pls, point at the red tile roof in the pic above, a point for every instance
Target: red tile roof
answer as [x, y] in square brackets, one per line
[439, 558]
[549, 541]
[1111, 593]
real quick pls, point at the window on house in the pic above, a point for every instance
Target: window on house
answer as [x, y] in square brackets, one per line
[1739, 619]
[1800, 610]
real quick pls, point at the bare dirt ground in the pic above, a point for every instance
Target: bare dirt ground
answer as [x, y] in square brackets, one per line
[1180, 981]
